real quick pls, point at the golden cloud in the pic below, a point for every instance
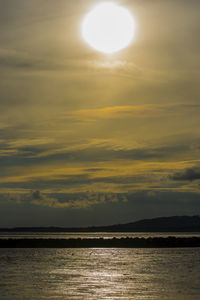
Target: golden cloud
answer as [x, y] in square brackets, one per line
[115, 112]
[131, 111]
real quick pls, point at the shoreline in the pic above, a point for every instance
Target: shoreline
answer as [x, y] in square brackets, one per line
[151, 242]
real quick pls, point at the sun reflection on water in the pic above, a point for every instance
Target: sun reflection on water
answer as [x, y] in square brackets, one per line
[100, 274]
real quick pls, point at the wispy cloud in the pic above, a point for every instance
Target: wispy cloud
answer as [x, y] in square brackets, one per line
[130, 111]
[115, 112]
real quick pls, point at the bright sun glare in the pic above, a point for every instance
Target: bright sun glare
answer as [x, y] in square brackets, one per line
[108, 27]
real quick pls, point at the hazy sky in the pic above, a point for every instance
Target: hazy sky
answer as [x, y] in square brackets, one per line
[88, 138]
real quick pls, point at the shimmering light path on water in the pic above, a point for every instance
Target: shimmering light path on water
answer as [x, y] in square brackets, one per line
[100, 274]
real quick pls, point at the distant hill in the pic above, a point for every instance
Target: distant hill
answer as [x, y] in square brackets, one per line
[162, 224]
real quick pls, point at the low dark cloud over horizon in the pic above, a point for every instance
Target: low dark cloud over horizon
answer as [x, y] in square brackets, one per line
[86, 138]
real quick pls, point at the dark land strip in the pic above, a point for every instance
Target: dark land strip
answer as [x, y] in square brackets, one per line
[155, 242]
[162, 224]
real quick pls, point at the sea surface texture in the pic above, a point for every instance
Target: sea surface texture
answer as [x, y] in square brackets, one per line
[100, 274]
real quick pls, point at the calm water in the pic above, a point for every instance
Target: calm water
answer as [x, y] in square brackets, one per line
[100, 274]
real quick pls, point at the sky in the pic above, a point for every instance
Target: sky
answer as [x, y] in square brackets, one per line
[88, 138]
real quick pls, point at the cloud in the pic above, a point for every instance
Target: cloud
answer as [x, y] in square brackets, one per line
[130, 111]
[135, 206]
[73, 201]
[189, 174]
[24, 61]
[115, 112]
[32, 156]
[20, 60]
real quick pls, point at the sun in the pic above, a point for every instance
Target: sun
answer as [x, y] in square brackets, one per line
[108, 27]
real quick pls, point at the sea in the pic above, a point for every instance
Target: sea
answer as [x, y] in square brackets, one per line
[99, 273]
